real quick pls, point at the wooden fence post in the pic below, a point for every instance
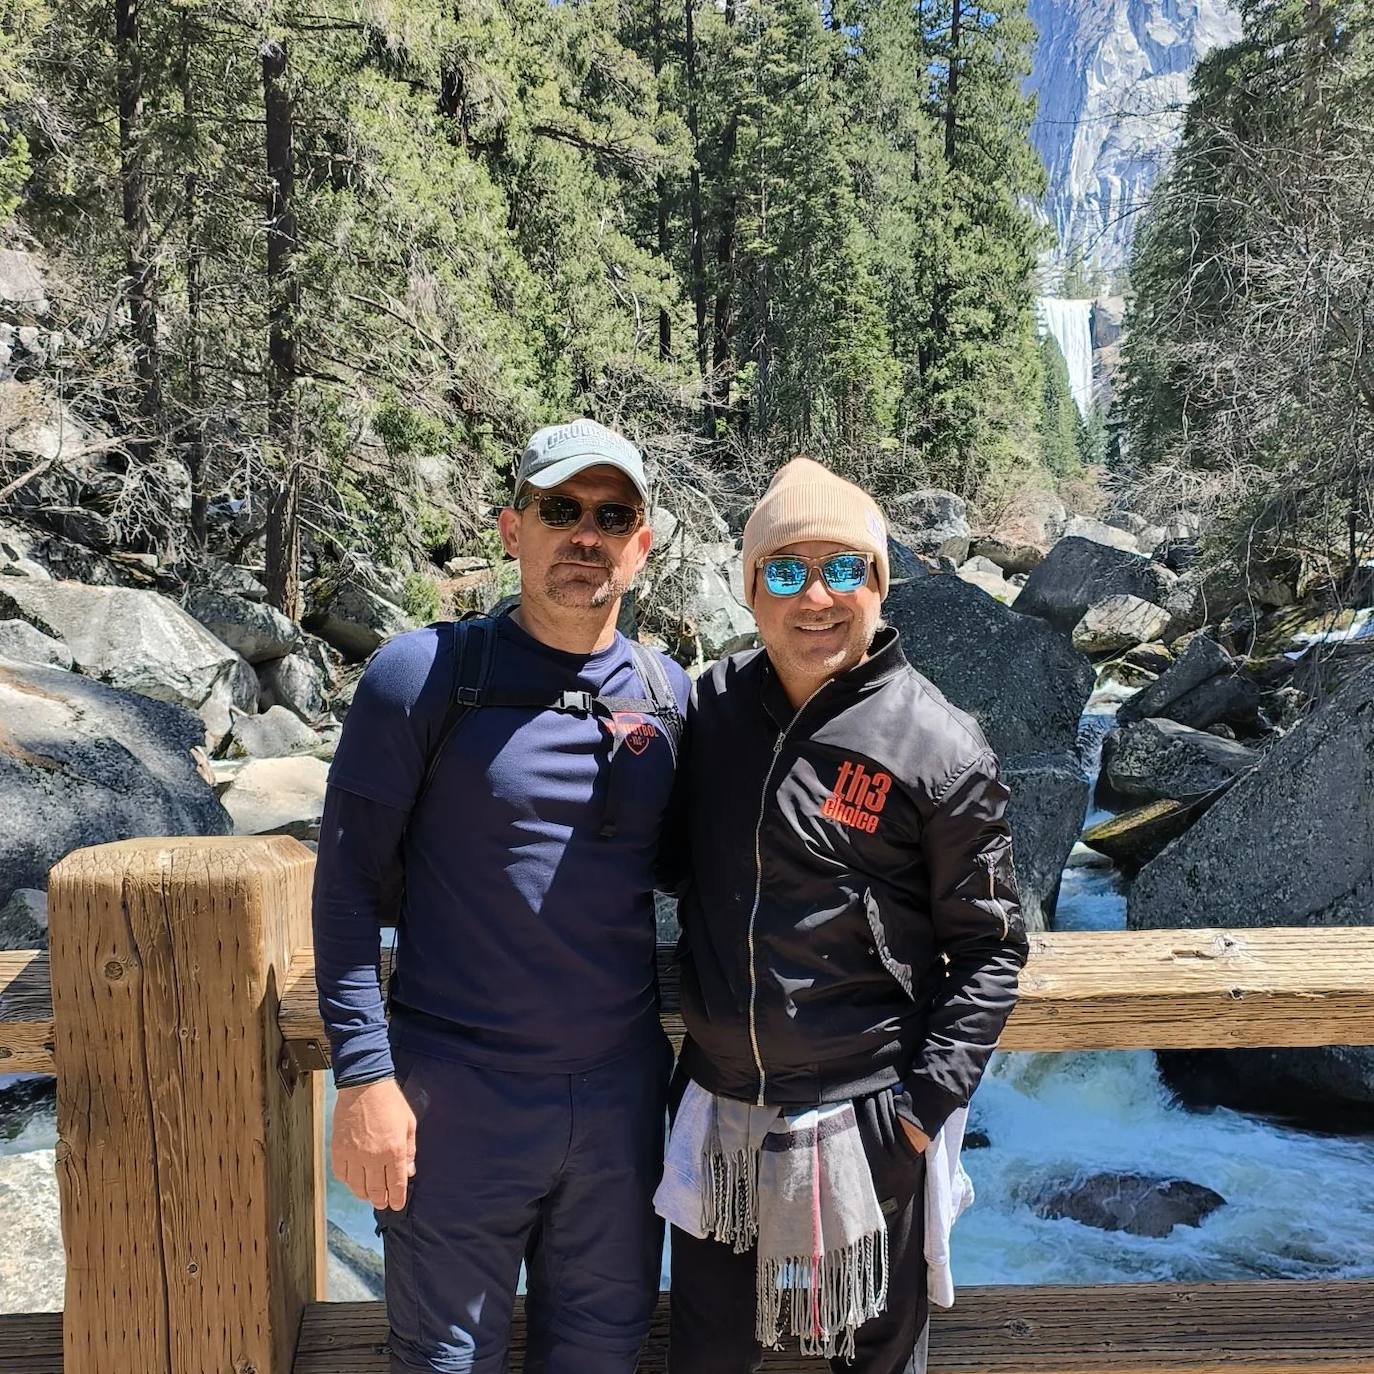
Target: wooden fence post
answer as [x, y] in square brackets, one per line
[190, 1158]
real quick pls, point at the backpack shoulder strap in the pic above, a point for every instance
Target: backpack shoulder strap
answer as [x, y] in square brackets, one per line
[655, 680]
[473, 644]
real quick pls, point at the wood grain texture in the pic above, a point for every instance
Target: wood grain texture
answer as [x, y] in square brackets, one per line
[1081, 990]
[31, 1343]
[25, 1012]
[1221, 1328]
[1106, 990]
[188, 1165]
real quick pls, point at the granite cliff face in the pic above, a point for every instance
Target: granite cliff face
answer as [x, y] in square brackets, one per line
[1112, 81]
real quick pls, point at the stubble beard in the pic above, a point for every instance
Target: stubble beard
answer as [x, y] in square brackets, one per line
[839, 660]
[576, 591]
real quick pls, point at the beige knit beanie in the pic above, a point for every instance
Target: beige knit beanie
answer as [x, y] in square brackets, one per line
[806, 501]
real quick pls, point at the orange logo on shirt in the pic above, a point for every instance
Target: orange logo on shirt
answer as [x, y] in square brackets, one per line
[632, 728]
[858, 797]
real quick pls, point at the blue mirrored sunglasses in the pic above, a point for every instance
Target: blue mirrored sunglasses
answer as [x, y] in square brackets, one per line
[786, 574]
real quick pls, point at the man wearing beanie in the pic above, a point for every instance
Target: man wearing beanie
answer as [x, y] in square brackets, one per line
[851, 944]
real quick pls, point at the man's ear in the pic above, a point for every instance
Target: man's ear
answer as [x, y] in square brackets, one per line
[508, 524]
[644, 541]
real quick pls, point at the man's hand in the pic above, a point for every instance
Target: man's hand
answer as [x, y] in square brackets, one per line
[373, 1146]
[918, 1138]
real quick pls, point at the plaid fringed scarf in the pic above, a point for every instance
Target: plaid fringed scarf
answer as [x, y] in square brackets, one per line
[798, 1187]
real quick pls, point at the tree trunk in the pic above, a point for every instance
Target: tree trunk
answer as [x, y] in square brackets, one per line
[283, 523]
[952, 100]
[138, 236]
[694, 193]
[723, 325]
[765, 349]
[665, 323]
[194, 433]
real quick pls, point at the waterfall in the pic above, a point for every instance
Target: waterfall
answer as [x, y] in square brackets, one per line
[1071, 324]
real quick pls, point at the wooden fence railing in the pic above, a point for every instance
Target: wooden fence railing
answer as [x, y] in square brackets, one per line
[177, 1009]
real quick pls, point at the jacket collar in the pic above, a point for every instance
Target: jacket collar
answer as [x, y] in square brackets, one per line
[885, 660]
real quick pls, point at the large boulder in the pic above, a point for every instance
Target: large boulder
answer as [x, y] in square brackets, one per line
[255, 630]
[278, 797]
[1132, 838]
[22, 288]
[1204, 687]
[1154, 658]
[1086, 527]
[1035, 515]
[1027, 687]
[274, 734]
[26, 551]
[1202, 660]
[1227, 700]
[354, 618]
[1161, 760]
[24, 919]
[20, 642]
[988, 577]
[296, 682]
[1134, 525]
[1049, 798]
[1119, 622]
[933, 522]
[904, 562]
[82, 763]
[139, 641]
[697, 599]
[1134, 1203]
[81, 475]
[1291, 843]
[236, 580]
[1011, 558]
[1078, 572]
[714, 609]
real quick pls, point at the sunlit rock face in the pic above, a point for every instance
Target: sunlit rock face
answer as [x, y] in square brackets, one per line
[1111, 78]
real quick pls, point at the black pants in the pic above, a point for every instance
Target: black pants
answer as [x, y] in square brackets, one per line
[713, 1304]
[556, 1169]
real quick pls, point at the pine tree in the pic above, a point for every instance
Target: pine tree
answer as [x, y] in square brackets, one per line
[1061, 431]
[1249, 392]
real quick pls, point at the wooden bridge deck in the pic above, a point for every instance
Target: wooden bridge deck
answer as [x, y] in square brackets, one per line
[1218, 1328]
[1155, 989]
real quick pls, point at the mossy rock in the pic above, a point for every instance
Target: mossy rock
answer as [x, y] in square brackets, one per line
[1132, 838]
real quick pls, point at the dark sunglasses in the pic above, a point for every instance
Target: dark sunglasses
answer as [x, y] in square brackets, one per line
[786, 574]
[613, 518]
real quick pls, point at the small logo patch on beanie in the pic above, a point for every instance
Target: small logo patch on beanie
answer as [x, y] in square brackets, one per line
[875, 526]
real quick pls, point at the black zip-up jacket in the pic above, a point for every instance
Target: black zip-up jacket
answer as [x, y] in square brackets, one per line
[850, 916]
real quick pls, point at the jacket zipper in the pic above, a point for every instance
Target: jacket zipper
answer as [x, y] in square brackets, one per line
[758, 886]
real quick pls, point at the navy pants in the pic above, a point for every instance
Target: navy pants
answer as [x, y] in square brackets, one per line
[713, 1305]
[558, 1170]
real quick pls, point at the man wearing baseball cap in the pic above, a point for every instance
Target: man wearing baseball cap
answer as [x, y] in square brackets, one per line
[851, 943]
[508, 777]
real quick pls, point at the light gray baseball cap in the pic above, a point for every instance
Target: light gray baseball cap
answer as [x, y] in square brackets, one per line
[558, 452]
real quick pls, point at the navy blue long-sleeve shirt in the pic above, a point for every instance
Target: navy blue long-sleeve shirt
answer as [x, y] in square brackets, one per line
[526, 937]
